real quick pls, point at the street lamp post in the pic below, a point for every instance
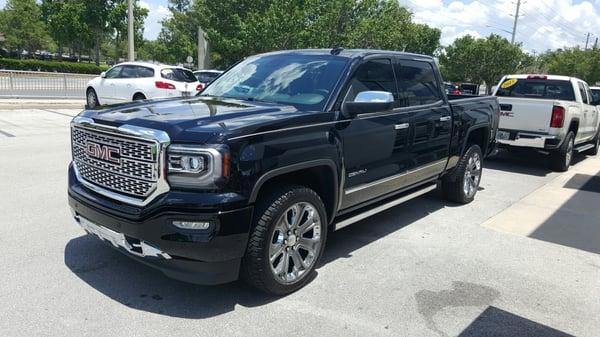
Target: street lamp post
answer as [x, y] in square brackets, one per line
[130, 32]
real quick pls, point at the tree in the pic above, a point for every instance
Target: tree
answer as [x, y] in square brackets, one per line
[584, 64]
[481, 60]
[65, 22]
[23, 27]
[178, 37]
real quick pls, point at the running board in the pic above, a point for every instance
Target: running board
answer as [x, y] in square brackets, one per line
[584, 147]
[381, 208]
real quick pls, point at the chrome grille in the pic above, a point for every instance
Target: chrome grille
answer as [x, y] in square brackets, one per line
[137, 172]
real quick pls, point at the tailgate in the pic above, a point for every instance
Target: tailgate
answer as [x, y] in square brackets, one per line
[525, 114]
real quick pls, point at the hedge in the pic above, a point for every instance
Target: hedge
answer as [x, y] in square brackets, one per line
[51, 66]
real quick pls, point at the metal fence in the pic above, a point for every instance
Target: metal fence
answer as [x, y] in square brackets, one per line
[33, 84]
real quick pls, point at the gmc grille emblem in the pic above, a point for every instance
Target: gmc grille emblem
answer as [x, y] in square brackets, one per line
[103, 152]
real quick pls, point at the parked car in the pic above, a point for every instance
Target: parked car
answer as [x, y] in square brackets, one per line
[451, 89]
[469, 89]
[205, 77]
[132, 81]
[246, 178]
[550, 113]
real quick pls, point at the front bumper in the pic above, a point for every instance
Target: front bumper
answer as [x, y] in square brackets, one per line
[211, 256]
[532, 140]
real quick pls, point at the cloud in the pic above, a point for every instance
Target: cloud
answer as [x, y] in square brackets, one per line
[156, 14]
[544, 24]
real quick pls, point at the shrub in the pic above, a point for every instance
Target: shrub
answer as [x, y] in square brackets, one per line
[51, 66]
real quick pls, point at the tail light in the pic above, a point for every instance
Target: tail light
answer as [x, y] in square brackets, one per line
[558, 117]
[537, 77]
[456, 92]
[200, 87]
[164, 85]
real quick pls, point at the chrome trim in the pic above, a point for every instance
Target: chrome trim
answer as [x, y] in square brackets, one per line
[445, 119]
[383, 207]
[204, 178]
[394, 177]
[162, 141]
[402, 126]
[118, 240]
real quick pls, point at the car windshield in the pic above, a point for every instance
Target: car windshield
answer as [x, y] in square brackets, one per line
[178, 75]
[535, 88]
[303, 81]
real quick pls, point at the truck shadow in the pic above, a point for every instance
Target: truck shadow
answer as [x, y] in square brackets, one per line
[524, 161]
[143, 288]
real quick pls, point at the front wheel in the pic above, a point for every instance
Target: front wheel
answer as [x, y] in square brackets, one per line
[92, 99]
[462, 185]
[287, 241]
[596, 142]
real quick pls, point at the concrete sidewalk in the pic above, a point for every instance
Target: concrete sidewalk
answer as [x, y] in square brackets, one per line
[565, 211]
[40, 103]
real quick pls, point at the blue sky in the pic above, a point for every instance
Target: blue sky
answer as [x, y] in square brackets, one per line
[545, 24]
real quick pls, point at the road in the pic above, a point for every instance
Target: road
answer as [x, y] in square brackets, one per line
[425, 268]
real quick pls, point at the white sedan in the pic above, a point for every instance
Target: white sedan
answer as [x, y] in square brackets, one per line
[133, 81]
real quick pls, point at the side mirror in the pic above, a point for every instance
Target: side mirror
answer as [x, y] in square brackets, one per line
[103, 74]
[369, 102]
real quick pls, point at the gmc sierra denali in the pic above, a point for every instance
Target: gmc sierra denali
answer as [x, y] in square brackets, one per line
[245, 179]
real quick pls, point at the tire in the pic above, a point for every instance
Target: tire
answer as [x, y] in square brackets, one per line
[596, 142]
[264, 264]
[462, 185]
[138, 97]
[92, 99]
[560, 160]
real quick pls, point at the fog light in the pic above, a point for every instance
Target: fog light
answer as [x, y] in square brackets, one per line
[198, 225]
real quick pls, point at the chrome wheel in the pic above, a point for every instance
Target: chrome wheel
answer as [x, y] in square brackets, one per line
[472, 175]
[569, 154]
[296, 243]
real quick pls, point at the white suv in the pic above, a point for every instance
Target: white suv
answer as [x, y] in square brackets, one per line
[133, 81]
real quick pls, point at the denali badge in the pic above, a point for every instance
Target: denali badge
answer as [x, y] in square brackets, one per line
[103, 152]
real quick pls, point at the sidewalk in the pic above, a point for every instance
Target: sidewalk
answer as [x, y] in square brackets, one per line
[565, 211]
[40, 103]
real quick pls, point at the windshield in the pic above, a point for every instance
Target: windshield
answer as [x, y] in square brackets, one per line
[535, 88]
[178, 75]
[304, 81]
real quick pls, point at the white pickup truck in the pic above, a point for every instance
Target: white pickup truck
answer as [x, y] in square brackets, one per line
[555, 114]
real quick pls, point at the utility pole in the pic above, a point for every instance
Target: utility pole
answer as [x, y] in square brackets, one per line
[587, 41]
[514, 32]
[596, 44]
[130, 32]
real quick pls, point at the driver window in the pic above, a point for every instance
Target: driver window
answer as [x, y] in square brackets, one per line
[114, 72]
[372, 75]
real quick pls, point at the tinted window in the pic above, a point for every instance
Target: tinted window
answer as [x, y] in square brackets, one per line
[206, 77]
[583, 93]
[178, 75]
[128, 72]
[596, 95]
[114, 72]
[535, 88]
[144, 72]
[417, 83]
[373, 75]
[300, 80]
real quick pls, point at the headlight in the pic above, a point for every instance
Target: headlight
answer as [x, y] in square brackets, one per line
[194, 166]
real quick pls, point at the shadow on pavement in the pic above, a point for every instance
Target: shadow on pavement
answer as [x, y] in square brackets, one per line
[576, 223]
[524, 161]
[494, 322]
[143, 288]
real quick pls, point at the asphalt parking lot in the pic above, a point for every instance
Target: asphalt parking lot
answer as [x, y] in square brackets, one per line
[425, 268]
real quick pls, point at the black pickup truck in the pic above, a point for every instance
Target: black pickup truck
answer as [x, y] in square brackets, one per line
[245, 179]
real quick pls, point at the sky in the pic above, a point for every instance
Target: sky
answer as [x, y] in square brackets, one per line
[544, 24]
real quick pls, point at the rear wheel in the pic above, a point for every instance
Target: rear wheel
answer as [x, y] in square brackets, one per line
[287, 241]
[462, 185]
[92, 99]
[138, 97]
[560, 160]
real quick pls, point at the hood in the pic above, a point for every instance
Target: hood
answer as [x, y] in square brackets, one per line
[202, 119]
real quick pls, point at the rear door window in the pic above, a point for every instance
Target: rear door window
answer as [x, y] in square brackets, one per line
[144, 72]
[417, 83]
[178, 75]
[128, 72]
[536, 88]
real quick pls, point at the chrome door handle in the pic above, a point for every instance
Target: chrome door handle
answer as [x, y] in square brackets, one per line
[445, 119]
[402, 126]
